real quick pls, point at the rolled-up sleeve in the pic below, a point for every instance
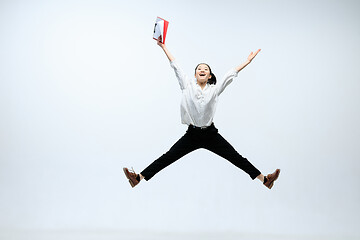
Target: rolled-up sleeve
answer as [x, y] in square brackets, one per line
[181, 76]
[226, 80]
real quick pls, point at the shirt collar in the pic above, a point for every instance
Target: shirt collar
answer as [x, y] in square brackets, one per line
[197, 85]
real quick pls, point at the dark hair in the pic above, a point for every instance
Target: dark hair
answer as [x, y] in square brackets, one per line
[211, 80]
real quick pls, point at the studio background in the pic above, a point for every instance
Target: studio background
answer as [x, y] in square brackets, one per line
[85, 91]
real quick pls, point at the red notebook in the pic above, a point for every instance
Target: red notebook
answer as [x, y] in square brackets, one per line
[160, 29]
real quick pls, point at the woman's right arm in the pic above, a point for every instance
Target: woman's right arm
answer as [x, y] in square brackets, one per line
[182, 78]
[166, 51]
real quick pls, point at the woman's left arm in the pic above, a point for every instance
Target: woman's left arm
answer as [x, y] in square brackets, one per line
[249, 59]
[228, 78]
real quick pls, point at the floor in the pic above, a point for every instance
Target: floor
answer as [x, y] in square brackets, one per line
[136, 235]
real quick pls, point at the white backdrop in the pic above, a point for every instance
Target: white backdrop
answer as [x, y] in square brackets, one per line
[85, 91]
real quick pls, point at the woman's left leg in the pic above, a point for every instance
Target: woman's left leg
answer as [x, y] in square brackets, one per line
[217, 144]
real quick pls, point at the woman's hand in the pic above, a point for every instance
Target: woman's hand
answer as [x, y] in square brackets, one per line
[253, 55]
[159, 42]
[249, 59]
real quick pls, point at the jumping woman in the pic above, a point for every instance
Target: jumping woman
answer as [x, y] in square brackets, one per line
[198, 105]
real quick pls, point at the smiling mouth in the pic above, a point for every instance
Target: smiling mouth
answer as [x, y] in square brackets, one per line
[202, 74]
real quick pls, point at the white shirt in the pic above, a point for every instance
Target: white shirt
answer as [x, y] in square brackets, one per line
[198, 105]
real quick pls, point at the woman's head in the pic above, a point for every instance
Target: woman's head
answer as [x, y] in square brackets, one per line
[203, 74]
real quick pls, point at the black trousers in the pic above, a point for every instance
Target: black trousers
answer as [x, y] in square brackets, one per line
[196, 138]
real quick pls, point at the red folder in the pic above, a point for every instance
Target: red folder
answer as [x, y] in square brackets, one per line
[160, 29]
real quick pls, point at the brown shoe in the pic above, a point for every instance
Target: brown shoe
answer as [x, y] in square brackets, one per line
[271, 178]
[131, 176]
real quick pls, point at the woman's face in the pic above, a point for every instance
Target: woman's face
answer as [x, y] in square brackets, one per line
[202, 73]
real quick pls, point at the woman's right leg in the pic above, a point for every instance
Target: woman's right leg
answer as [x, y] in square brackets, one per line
[183, 146]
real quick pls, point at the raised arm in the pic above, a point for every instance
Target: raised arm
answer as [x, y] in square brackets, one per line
[249, 59]
[181, 76]
[166, 51]
[228, 78]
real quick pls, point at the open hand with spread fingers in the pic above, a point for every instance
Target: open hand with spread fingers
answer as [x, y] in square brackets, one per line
[249, 59]
[253, 55]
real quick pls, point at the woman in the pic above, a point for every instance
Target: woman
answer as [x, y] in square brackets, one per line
[199, 100]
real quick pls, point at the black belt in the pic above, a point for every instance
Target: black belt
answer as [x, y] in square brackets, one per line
[201, 128]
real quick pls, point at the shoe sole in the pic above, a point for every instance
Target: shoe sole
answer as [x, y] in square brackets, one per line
[272, 183]
[127, 176]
